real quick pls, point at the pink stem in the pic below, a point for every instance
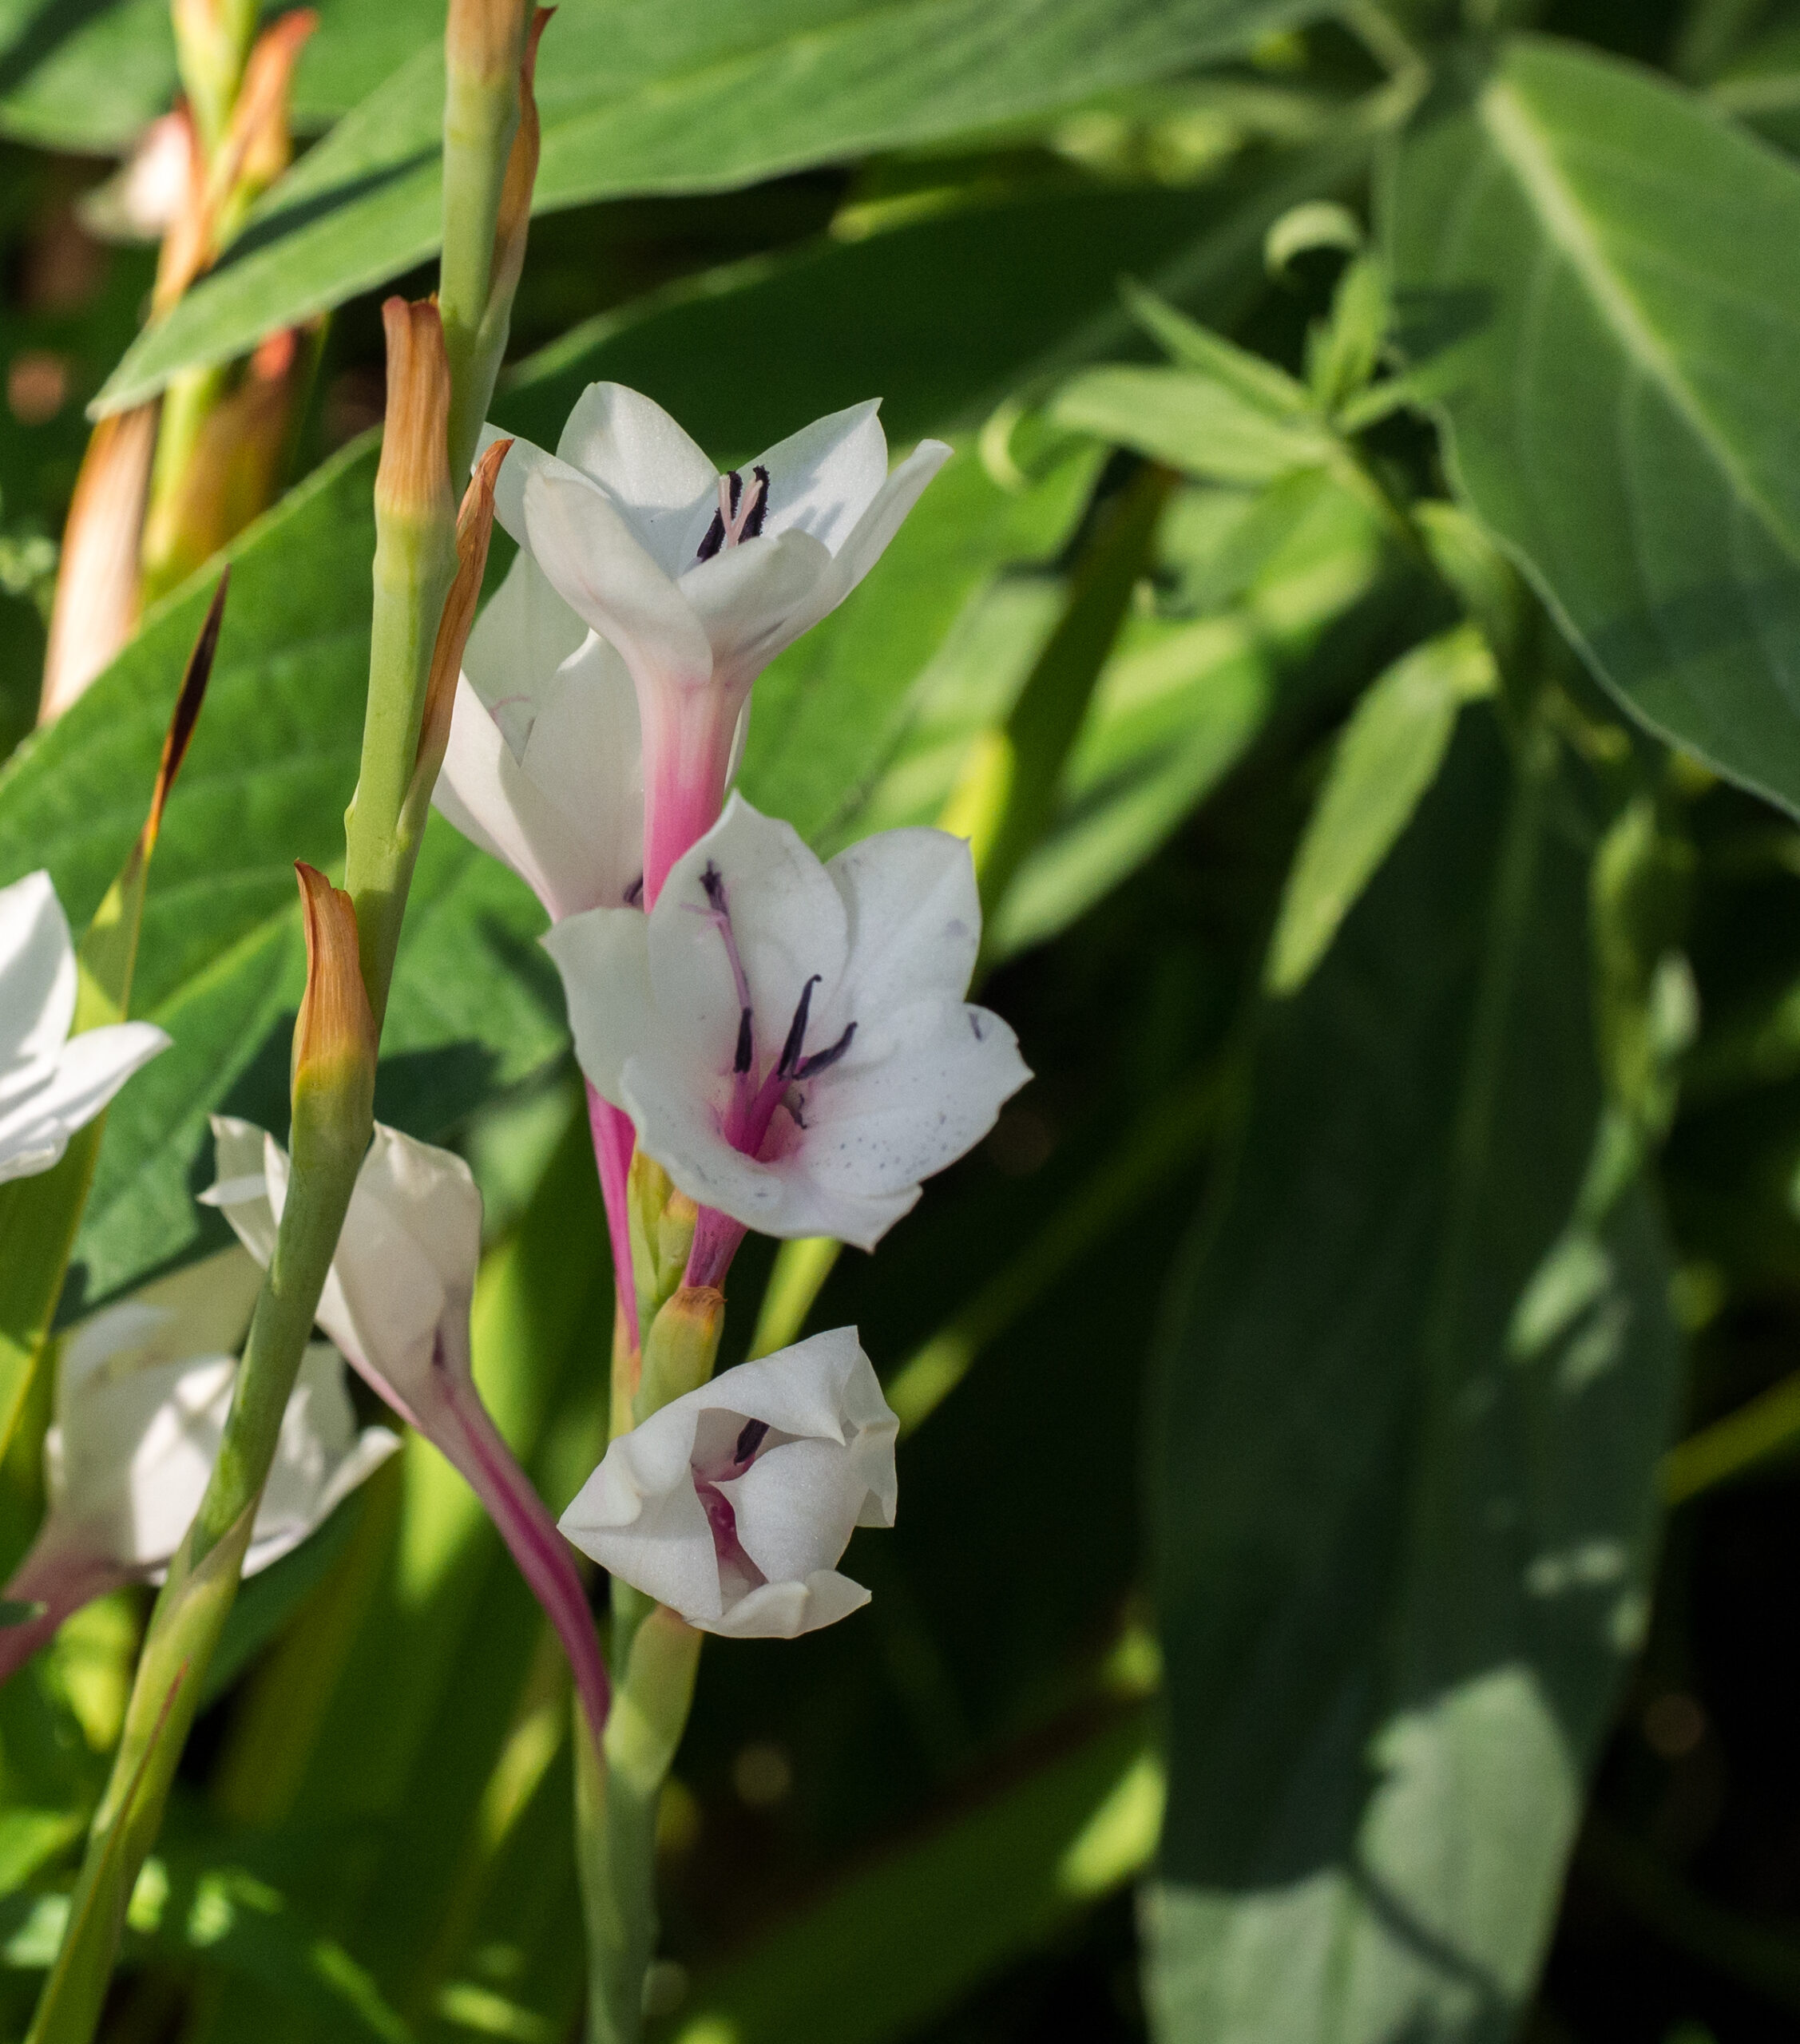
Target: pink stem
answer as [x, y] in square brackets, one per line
[688, 736]
[470, 1439]
[716, 1236]
[614, 1139]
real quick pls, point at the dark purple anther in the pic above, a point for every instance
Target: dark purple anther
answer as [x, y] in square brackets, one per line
[750, 1439]
[797, 1030]
[823, 1060]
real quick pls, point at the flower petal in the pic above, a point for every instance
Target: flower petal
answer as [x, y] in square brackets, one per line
[646, 463]
[822, 478]
[865, 544]
[604, 958]
[92, 1067]
[640, 1517]
[796, 1507]
[240, 1189]
[746, 597]
[785, 1610]
[585, 754]
[519, 642]
[601, 570]
[37, 972]
[915, 918]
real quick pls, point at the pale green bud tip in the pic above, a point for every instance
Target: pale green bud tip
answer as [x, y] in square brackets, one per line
[335, 1040]
[414, 480]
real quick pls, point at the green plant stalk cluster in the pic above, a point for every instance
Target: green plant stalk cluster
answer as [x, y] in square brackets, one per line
[414, 564]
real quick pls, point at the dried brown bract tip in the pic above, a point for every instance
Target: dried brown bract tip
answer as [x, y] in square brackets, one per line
[414, 478]
[474, 529]
[334, 1041]
[482, 37]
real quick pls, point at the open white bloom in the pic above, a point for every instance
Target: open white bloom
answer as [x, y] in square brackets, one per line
[697, 579]
[791, 1038]
[733, 1505]
[396, 1303]
[51, 1083]
[142, 1390]
[544, 769]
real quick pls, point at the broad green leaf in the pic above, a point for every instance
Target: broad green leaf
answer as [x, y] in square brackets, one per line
[1407, 1438]
[1582, 258]
[898, 1941]
[1191, 420]
[638, 96]
[91, 76]
[1387, 756]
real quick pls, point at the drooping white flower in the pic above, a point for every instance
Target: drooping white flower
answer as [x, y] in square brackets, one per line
[396, 1303]
[142, 1390]
[51, 1083]
[734, 1504]
[697, 579]
[791, 1038]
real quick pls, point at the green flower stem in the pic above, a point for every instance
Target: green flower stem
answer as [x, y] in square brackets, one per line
[480, 117]
[656, 1656]
[415, 563]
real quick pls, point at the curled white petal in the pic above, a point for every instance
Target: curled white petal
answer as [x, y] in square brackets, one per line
[733, 1504]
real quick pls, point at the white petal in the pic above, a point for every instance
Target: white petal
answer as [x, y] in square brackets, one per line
[319, 1458]
[204, 1309]
[604, 958]
[522, 461]
[748, 597]
[915, 918]
[784, 1610]
[37, 972]
[916, 1093]
[640, 1517]
[519, 642]
[822, 478]
[240, 1189]
[586, 754]
[495, 802]
[602, 571]
[788, 921]
[796, 1507]
[654, 473]
[865, 544]
[90, 1070]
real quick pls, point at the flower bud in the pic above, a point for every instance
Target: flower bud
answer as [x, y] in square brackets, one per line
[96, 607]
[334, 1038]
[680, 1348]
[413, 481]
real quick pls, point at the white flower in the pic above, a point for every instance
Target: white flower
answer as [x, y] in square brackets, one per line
[791, 1038]
[697, 579]
[51, 1083]
[142, 1390]
[732, 1505]
[544, 768]
[396, 1303]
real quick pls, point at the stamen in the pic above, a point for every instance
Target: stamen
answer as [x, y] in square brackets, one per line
[740, 513]
[747, 1041]
[712, 884]
[750, 1439]
[823, 1060]
[634, 893]
[797, 1031]
[756, 508]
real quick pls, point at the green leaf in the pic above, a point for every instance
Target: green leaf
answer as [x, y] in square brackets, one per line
[1407, 1438]
[637, 97]
[91, 77]
[1193, 421]
[1581, 255]
[1387, 756]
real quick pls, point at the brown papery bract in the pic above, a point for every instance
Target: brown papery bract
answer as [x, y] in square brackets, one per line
[482, 38]
[515, 218]
[334, 1041]
[413, 479]
[474, 529]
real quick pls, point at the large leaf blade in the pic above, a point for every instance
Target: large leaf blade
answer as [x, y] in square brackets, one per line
[644, 98]
[1572, 239]
[1405, 1526]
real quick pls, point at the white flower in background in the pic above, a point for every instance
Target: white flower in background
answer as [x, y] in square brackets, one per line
[544, 768]
[143, 1389]
[791, 1038]
[733, 1504]
[51, 1083]
[697, 579]
[396, 1303]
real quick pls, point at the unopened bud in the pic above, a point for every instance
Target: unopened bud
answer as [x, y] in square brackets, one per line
[474, 529]
[97, 583]
[334, 1038]
[482, 38]
[662, 1234]
[261, 139]
[681, 1347]
[412, 481]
